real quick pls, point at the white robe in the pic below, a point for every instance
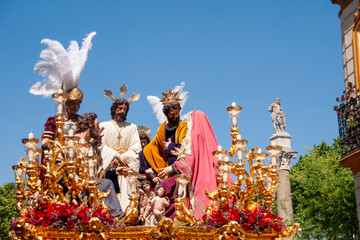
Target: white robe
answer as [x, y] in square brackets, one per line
[129, 139]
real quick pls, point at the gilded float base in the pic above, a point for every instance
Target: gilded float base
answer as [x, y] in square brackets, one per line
[164, 230]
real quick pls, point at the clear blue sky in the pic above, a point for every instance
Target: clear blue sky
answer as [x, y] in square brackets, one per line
[250, 52]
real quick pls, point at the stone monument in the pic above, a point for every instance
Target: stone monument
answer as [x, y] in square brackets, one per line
[283, 139]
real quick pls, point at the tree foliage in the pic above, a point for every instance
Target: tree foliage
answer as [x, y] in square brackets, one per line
[323, 195]
[7, 209]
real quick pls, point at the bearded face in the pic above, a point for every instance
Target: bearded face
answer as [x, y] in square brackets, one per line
[173, 116]
[120, 113]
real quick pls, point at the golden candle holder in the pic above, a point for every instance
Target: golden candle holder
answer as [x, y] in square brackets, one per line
[131, 211]
[182, 212]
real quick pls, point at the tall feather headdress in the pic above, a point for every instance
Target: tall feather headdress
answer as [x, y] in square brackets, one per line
[177, 94]
[123, 89]
[60, 67]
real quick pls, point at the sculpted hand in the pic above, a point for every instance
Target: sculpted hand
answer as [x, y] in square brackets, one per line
[121, 170]
[176, 151]
[164, 172]
[122, 159]
[156, 180]
[112, 164]
[44, 144]
[166, 144]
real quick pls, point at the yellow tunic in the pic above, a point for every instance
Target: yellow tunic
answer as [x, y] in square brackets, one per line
[155, 153]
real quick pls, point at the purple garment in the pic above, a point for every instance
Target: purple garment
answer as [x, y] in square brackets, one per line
[169, 185]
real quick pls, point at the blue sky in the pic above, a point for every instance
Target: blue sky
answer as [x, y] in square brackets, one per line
[250, 52]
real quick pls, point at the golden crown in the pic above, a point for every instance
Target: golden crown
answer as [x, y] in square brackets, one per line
[123, 89]
[144, 129]
[170, 97]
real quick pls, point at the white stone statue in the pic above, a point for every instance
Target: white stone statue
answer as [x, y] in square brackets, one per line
[277, 116]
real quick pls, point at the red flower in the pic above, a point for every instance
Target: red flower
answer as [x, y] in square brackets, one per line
[28, 215]
[110, 217]
[72, 209]
[46, 222]
[276, 227]
[64, 213]
[222, 220]
[215, 216]
[84, 209]
[85, 219]
[252, 219]
[70, 223]
[37, 216]
[80, 214]
[234, 215]
[245, 226]
[262, 223]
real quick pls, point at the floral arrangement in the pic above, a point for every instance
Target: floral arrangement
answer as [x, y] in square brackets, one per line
[257, 220]
[66, 217]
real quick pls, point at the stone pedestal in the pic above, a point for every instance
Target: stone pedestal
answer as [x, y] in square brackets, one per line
[284, 202]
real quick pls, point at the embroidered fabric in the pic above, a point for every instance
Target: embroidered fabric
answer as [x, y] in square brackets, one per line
[185, 149]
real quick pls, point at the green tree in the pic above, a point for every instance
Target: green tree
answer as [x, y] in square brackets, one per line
[323, 195]
[7, 209]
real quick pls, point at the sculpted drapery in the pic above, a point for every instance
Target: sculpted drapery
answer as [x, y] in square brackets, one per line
[128, 144]
[155, 154]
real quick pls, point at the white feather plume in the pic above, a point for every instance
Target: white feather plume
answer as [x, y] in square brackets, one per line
[158, 106]
[60, 68]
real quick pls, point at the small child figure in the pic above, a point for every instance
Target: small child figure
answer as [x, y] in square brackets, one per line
[159, 203]
[146, 195]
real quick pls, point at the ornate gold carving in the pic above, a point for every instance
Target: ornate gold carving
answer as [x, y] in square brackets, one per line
[164, 230]
[170, 96]
[231, 231]
[95, 229]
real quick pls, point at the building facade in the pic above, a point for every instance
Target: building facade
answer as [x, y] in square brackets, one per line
[349, 110]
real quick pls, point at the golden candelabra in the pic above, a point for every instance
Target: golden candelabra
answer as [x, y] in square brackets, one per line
[69, 176]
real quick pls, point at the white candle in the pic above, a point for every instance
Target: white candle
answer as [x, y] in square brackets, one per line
[273, 158]
[91, 168]
[234, 120]
[31, 135]
[239, 156]
[219, 148]
[71, 132]
[91, 152]
[259, 151]
[233, 104]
